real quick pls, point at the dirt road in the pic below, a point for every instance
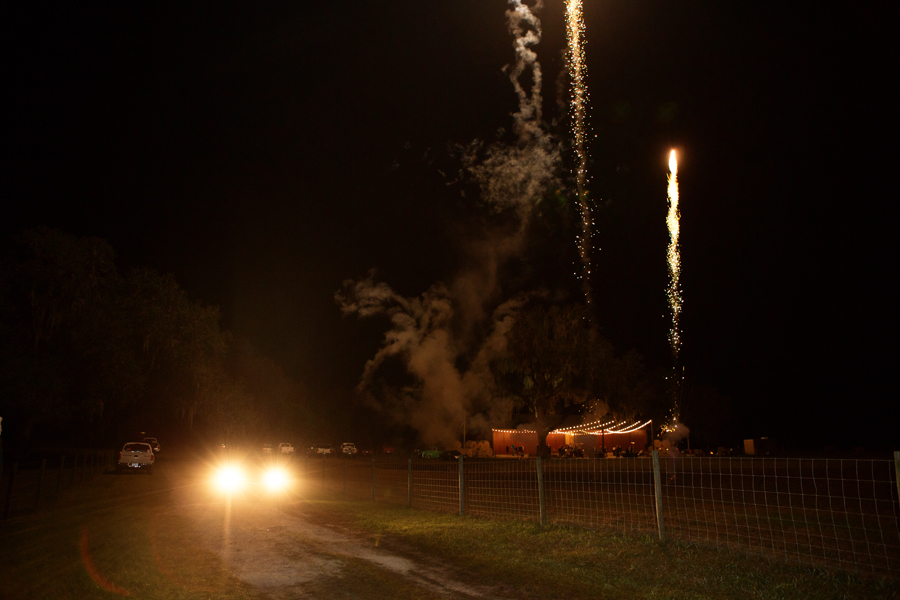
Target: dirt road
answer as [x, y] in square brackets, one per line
[288, 546]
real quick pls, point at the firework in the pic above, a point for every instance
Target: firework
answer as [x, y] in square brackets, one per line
[674, 258]
[578, 83]
[674, 290]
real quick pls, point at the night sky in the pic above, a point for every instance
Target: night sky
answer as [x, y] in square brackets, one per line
[263, 153]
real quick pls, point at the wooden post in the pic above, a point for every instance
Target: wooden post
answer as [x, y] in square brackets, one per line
[462, 488]
[9, 490]
[658, 486]
[897, 470]
[37, 496]
[62, 467]
[409, 483]
[541, 496]
[373, 479]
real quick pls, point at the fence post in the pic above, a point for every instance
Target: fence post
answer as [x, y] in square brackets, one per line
[658, 487]
[345, 477]
[897, 470]
[323, 469]
[37, 497]
[83, 467]
[62, 467]
[541, 496]
[409, 483]
[462, 488]
[9, 490]
[74, 467]
[373, 479]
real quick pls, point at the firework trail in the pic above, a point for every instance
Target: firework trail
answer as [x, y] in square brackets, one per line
[674, 290]
[674, 257]
[577, 78]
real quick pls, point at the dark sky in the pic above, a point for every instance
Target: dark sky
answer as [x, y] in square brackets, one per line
[263, 154]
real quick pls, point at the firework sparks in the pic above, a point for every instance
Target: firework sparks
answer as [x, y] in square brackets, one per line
[674, 257]
[578, 83]
[674, 290]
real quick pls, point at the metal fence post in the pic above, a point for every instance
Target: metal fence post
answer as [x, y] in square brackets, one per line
[345, 476]
[658, 486]
[74, 467]
[9, 490]
[541, 496]
[409, 483]
[373, 479]
[323, 469]
[62, 467]
[462, 488]
[37, 496]
[84, 467]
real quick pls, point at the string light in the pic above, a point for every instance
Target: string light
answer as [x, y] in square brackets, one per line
[583, 429]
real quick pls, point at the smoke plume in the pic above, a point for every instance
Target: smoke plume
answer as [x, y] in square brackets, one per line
[447, 337]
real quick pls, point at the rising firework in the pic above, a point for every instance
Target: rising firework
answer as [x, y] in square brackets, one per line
[578, 83]
[674, 258]
[674, 290]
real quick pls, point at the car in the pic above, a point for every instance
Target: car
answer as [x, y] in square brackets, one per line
[348, 448]
[433, 453]
[136, 456]
[153, 443]
[266, 449]
[323, 450]
[286, 448]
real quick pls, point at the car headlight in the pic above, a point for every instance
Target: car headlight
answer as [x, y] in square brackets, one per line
[275, 480]
[229, 479]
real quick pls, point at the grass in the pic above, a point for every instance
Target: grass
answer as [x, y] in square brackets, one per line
[98, 541]
[116, 536]
[558, 562]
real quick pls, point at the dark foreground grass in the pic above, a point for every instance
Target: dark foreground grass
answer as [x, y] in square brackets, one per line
[523, 560]
[111, 539]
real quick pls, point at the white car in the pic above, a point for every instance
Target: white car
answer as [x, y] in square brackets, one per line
[286, 448]
[348, 448]
[137, 456]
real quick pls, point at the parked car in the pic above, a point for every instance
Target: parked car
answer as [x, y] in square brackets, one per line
[266, 449]
[286, 448]
[433, 453]
[136, 456]
[387, 449]
[324, 450]
[153, 443]
[348, 448]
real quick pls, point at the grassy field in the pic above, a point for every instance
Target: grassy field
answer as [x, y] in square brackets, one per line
[110, 537]
[118, 536]
[526, 561]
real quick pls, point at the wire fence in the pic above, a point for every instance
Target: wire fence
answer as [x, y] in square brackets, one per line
[831, 513]
[27, 485]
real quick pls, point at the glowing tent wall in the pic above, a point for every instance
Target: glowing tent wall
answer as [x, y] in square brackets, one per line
[505, 439]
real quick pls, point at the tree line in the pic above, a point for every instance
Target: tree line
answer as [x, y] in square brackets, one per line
[89, 355]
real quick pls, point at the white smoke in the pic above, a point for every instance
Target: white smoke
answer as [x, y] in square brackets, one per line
[447, 337]
[422, 337]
